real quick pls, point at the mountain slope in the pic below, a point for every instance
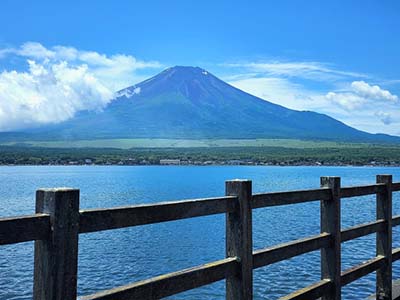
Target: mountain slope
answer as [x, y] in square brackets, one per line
[189, 102]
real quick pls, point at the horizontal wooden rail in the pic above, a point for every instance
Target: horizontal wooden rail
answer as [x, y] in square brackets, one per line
[396, 254]
[119, 217]
[396, 220]
[58, 221]
[361, 270]
[313, 291]
[361, 230]
[24, 228]
[270, 255]
[355, 191]
[292, 197]
[172, 283]
[396, 187]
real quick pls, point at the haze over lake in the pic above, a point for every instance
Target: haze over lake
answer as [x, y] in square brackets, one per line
[112, 258]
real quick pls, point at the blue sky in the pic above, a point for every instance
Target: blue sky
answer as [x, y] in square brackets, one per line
[339, 58]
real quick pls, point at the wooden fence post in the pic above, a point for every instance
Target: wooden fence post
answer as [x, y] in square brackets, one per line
[330, 223]
[56, 259]
[239, 241]
[384, 239]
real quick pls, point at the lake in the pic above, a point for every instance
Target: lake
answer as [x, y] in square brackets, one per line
[112, 258]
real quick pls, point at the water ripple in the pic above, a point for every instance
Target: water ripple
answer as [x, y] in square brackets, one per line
[112, 258]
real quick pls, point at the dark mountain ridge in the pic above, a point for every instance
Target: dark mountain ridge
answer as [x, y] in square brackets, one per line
[191, 103]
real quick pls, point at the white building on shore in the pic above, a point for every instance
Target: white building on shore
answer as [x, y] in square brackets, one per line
[170, 161]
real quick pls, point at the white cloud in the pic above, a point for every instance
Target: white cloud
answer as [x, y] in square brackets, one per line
[361, 95]
[386, 118]
[48, 93]
[35, 51]
[321, 87]
[366, 107]
[354, 103]
[348, 101]
[116, 71]
[308, 70]
[277, 90]
[372, 91]
[59, 82]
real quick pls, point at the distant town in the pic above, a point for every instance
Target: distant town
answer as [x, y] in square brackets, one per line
[178, 162]
[247, 156]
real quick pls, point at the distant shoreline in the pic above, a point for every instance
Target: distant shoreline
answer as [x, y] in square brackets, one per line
[293, 155]
[200, 165]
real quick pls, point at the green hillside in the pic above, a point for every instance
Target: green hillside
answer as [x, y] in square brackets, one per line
[185, 143]
[190, 104]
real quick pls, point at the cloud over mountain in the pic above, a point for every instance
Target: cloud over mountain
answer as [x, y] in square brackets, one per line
[372, 91]
[51, 84]
[311, 70]
[311, 85]
[60, 81]
[386, 118]
[48, 93]
[361, 95]
[189, 102]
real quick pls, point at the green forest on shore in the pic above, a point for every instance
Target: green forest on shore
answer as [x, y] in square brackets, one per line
[283, 153]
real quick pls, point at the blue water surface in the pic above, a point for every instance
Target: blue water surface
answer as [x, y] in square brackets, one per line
[112, 258]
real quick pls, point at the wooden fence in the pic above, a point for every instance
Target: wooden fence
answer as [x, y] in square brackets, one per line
[57, 223]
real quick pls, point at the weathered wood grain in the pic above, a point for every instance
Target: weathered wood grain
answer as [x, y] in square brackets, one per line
[395, 288]
[172, 283]
[361, 270]
[56, 258]
[24, 228]
[396, 221]
[239, 240]
[396, 254]
[362, 230]
[291, 197]
[330, 223]
[271, 255]
[356, 191]
[57, 223]
[396, 187]
[119, 217]
[384, 238]
[311, 292]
